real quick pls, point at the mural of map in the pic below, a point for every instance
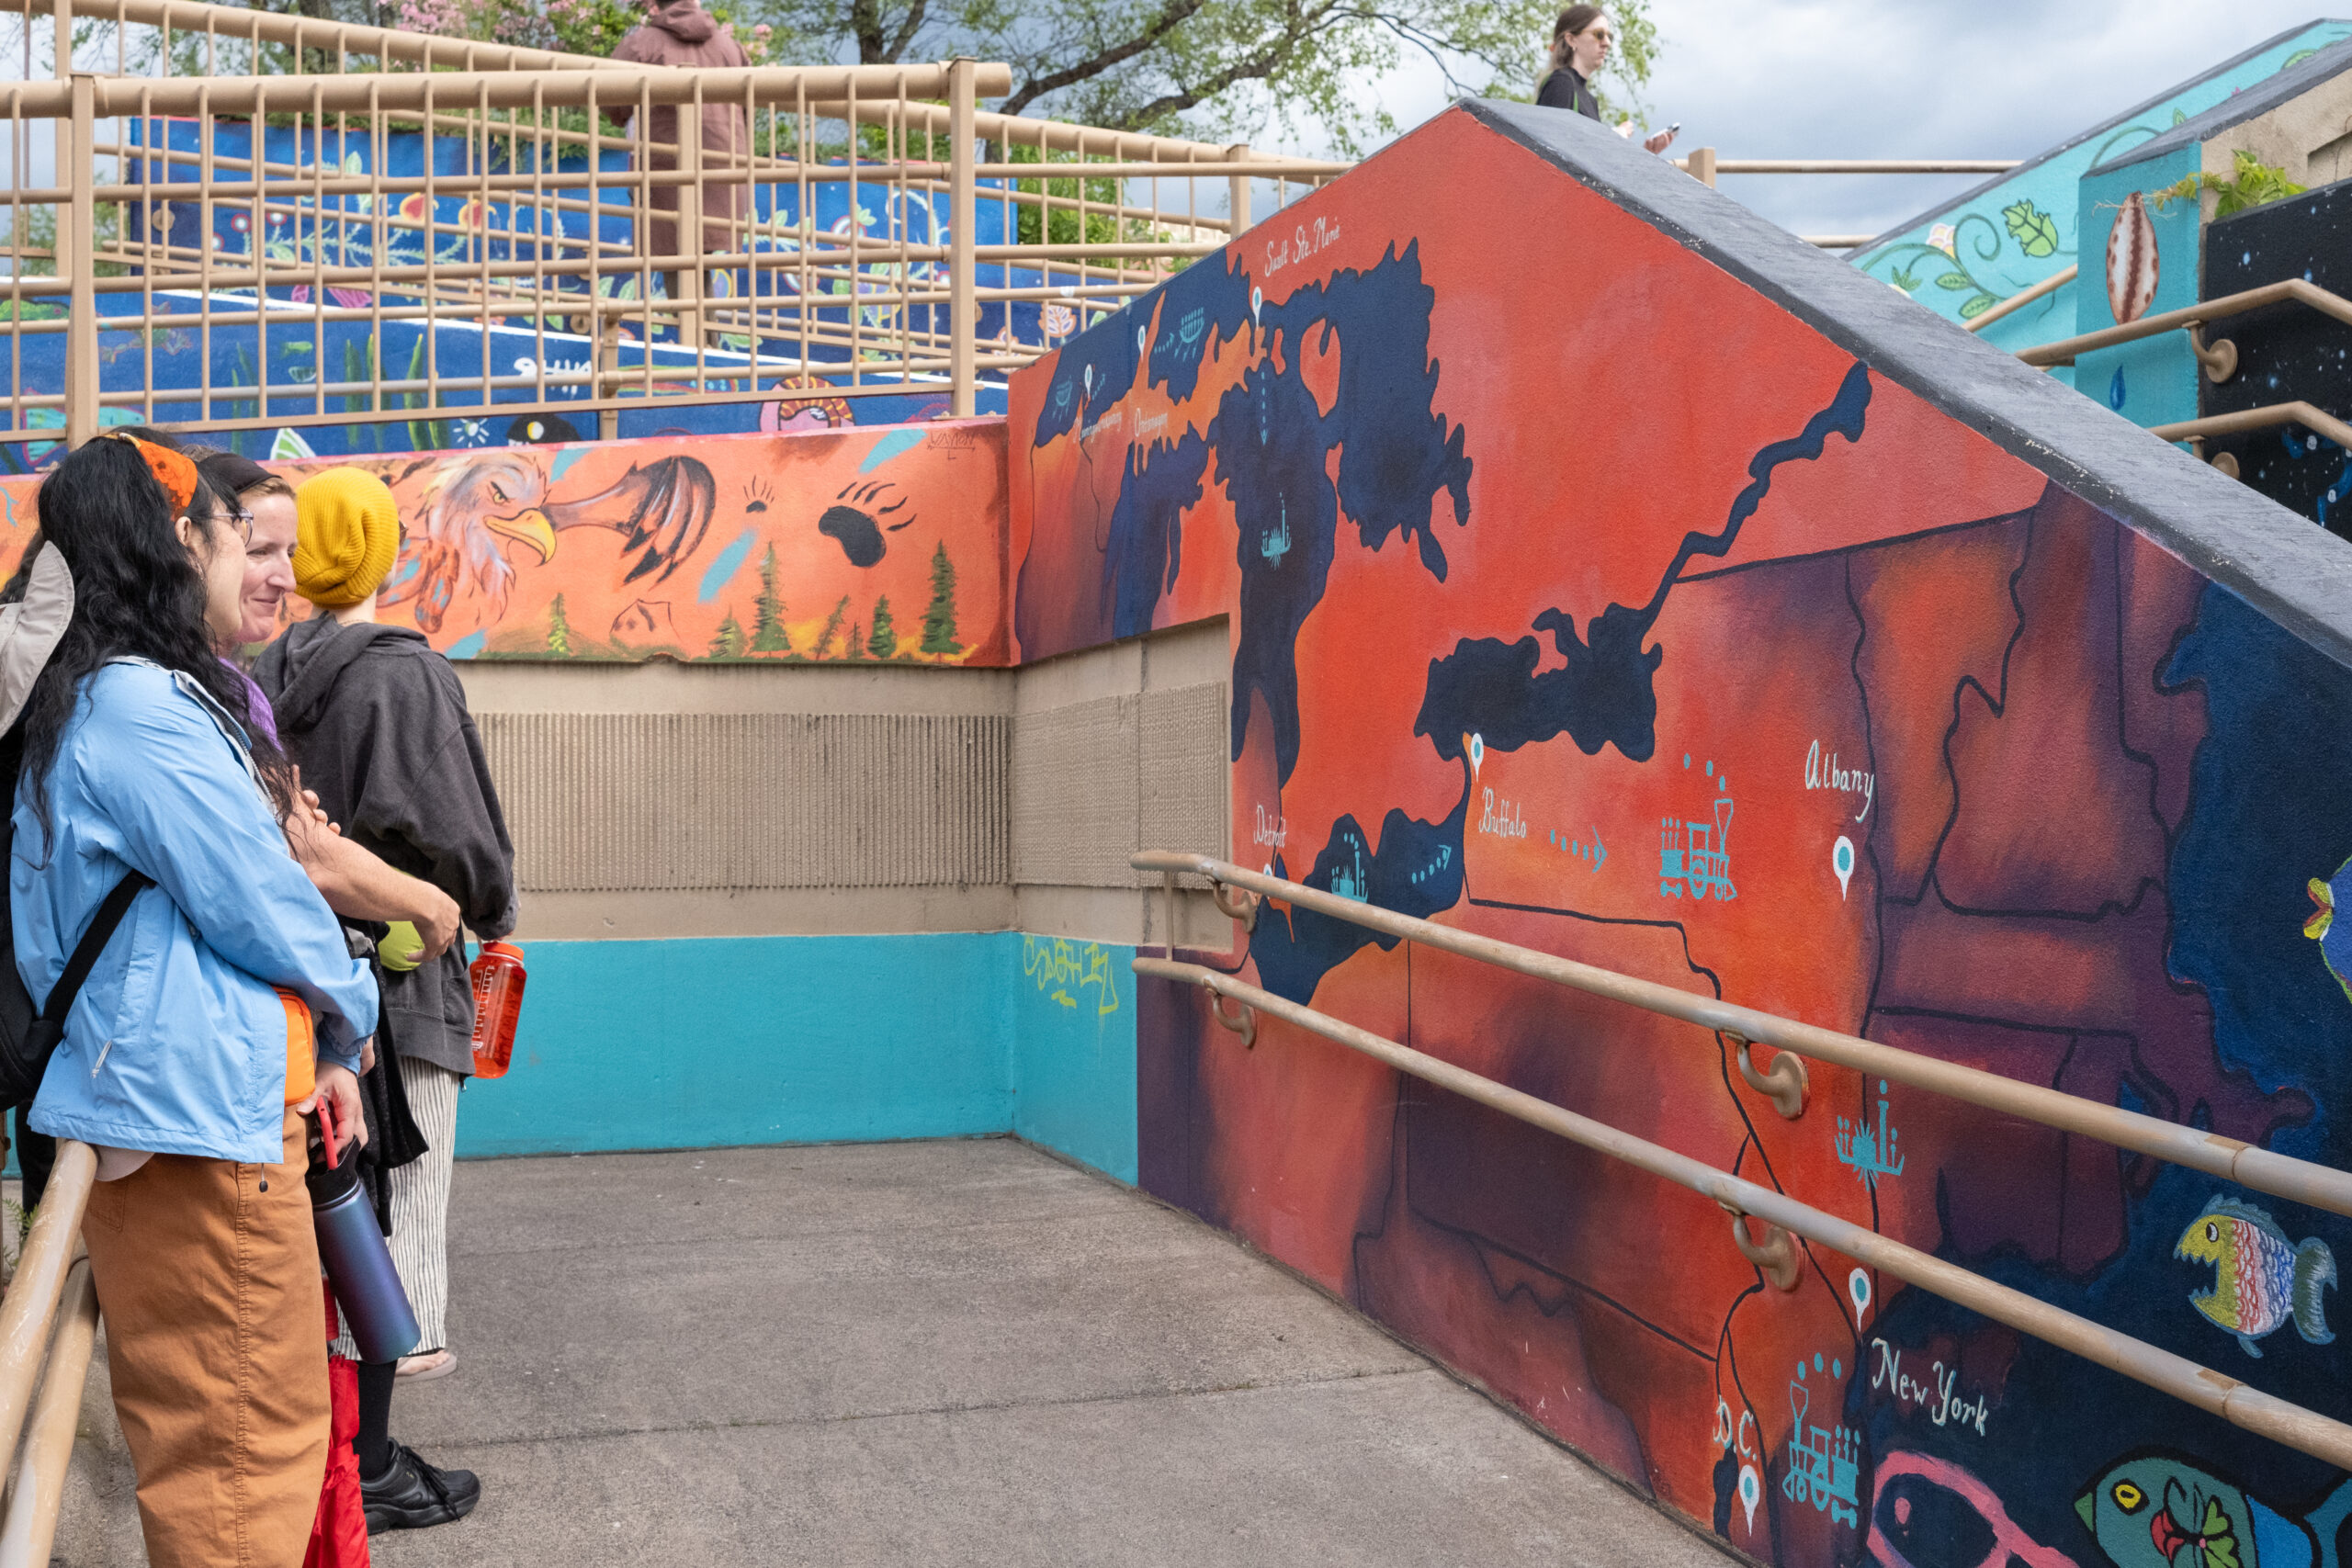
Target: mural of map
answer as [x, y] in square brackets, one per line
[1582, 596]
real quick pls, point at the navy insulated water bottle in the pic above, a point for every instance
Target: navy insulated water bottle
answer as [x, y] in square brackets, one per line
[358, 1265]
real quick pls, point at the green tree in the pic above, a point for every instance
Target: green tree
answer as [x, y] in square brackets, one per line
[885, 640]
[768, 635]
[558, 630]
[939, 615]
[832, 624]
[855, 647]
[1222, 70]
[729, 643]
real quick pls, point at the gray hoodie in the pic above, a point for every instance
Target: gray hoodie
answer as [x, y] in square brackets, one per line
[377, 723]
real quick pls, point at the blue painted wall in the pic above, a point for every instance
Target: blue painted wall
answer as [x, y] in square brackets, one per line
[2153, 381]
[701, 1042]
[1962, 259]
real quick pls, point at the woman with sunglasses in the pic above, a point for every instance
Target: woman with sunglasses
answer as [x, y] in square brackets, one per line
[1581, 40]
[224, 1010]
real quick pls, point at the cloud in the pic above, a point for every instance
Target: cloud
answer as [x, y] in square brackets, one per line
[1901, 78]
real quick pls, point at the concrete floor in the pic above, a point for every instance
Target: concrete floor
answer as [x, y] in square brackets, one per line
[928, 1354]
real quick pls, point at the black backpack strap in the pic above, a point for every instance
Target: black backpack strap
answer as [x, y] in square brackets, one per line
[111, 910]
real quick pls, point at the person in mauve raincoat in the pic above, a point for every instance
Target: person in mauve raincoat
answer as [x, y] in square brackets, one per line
[680, 33]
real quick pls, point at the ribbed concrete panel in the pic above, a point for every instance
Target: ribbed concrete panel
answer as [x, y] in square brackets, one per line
[1075, 811]
[610, 802]
[1185, 796]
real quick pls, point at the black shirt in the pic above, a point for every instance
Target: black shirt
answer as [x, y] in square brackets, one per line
[1563, 89]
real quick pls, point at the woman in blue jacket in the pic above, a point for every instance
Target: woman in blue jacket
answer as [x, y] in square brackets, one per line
[223, 1009]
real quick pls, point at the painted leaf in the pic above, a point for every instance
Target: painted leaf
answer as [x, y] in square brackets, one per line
[2035, 231]
[1975, 306]
[2131, 262]
[2218, 1540]
[1955, 281]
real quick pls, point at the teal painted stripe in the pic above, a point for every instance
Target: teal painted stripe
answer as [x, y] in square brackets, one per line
[701, 1042]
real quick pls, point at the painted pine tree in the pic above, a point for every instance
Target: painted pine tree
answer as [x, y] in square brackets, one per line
[729, 643]
[558, 630]
[855, 647]
[768, 634]
[939, 616]
[885, 640]
[832, 624]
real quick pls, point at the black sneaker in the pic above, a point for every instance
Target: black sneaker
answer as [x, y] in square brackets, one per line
[413, 1495]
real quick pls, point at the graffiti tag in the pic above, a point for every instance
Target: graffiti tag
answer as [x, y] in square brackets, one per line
[1060, 966]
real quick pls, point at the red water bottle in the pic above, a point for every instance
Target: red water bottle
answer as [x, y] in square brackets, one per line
[498, 975]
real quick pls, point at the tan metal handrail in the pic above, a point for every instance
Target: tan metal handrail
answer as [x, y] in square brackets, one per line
[2065, 350]
[2229, 1159]
[2023, 298]
[39, 1492]
[2215, 1393]
[2269, 417]
[1850, 165]
[28, 1310]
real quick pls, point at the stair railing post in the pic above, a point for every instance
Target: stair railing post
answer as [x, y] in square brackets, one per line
[1237, 189]
[81, 274]
[963, 216]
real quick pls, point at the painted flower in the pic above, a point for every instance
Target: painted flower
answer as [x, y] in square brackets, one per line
[1942, 238]
[1060, 320]
[413, 207]
[473, 215]
[241, 222]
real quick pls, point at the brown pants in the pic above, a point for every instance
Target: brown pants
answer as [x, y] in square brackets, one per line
[208, 1279]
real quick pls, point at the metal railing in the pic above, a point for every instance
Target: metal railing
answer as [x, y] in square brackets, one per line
[1704, 165]
[48, 1325]
[377, 229]
[1776, 1253]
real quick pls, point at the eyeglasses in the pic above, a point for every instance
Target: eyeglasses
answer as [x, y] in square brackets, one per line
[243, 522]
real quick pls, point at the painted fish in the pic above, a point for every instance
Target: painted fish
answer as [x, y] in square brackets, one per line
[2157, 1510]
[2260, 1278]
[2335, 941]
[2131, 262]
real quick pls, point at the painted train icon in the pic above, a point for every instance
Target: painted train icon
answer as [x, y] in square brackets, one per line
[1696, 854]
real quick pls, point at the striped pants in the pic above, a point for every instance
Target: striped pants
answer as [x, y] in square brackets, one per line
[420, 1238]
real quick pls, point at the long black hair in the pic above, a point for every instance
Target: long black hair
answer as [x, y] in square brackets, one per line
[137, 593]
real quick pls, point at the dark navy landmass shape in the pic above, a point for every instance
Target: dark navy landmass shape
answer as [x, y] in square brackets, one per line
[1273, 445]
[1604, 692]
[1092, 372]
[1145, 546]
[1200, 307]
[1271, 449]
[1395, 451]
[1416, 870]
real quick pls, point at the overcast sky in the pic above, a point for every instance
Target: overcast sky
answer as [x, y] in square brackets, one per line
[1906, 78]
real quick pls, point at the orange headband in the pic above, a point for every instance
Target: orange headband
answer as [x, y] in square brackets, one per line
[176, 471]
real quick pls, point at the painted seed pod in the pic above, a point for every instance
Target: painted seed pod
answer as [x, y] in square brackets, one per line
[2131, 262]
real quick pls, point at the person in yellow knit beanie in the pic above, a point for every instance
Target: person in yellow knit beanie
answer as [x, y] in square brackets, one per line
[349, 535]
[377, 720]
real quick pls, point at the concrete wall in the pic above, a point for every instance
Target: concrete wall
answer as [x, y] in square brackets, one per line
[770, 902]
[1750, 630]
